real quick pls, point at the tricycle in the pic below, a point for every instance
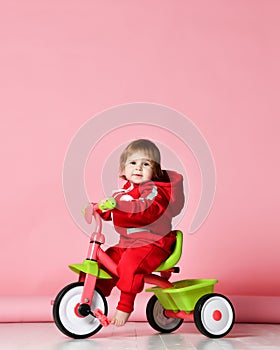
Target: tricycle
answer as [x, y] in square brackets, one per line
[80, 309]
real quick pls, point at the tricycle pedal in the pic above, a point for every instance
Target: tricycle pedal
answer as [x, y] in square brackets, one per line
[103, 319]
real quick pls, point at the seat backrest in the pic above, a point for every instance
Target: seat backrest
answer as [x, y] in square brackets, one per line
[172, 260]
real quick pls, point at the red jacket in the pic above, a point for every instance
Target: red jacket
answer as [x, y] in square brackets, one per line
[144, 212]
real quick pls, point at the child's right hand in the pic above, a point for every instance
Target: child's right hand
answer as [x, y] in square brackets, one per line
[107, 203]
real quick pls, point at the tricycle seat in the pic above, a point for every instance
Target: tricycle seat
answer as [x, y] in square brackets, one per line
[172, 260]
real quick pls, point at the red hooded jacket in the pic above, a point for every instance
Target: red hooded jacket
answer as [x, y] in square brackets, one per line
[144, 212]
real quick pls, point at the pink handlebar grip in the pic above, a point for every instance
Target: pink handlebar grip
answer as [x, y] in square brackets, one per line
[88, 213]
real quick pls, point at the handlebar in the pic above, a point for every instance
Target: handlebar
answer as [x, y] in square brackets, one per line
[90, 210]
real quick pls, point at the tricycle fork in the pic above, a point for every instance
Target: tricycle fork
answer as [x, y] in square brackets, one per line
[83, 308]
[88, 290]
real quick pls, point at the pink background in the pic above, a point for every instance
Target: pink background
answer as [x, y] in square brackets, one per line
[216, 62]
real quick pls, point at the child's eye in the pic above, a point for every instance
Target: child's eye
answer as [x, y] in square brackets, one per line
[147, 164]
[132, 162]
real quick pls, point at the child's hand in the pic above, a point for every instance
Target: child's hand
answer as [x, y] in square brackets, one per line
[107, 203]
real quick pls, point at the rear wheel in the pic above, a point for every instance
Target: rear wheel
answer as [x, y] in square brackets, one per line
[65, 312]
[158, 320]
[214, 315]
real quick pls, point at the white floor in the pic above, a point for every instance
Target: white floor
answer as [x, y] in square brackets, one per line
[138, 336]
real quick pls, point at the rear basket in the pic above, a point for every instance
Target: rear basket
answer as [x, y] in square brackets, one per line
[184, 294]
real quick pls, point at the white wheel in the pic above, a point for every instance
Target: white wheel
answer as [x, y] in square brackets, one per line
[158, 320]
[65, 312]
[214, 315]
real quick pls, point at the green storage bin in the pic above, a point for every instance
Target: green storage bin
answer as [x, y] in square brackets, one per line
[184, 294]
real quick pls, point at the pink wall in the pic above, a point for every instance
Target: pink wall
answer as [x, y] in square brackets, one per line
[215, 62]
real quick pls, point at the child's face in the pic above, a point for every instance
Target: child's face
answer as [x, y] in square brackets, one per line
[138, 168]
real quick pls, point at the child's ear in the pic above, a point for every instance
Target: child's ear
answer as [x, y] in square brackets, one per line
[122, 176]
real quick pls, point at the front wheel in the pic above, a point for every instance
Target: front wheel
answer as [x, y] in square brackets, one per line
[65, 312]
[158, 320]
[214, 315]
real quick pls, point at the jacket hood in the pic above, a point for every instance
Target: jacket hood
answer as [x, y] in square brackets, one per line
[174, 190]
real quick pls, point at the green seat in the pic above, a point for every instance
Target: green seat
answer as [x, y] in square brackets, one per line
[172, 260]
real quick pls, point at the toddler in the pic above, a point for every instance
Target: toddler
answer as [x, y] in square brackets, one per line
[145, 206]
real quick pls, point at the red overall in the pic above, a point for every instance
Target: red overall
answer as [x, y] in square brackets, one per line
[143, 218]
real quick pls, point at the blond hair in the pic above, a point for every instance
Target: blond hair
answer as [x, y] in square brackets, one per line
[149, 148]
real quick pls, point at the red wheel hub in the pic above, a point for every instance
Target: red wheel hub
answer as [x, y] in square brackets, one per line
[76, 310]
[217, 315]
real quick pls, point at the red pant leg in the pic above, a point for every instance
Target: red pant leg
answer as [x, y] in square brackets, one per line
[134, 264]
[106, 285]
[137, 262]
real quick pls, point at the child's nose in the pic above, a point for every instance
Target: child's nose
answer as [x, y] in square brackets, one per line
[139, 166]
